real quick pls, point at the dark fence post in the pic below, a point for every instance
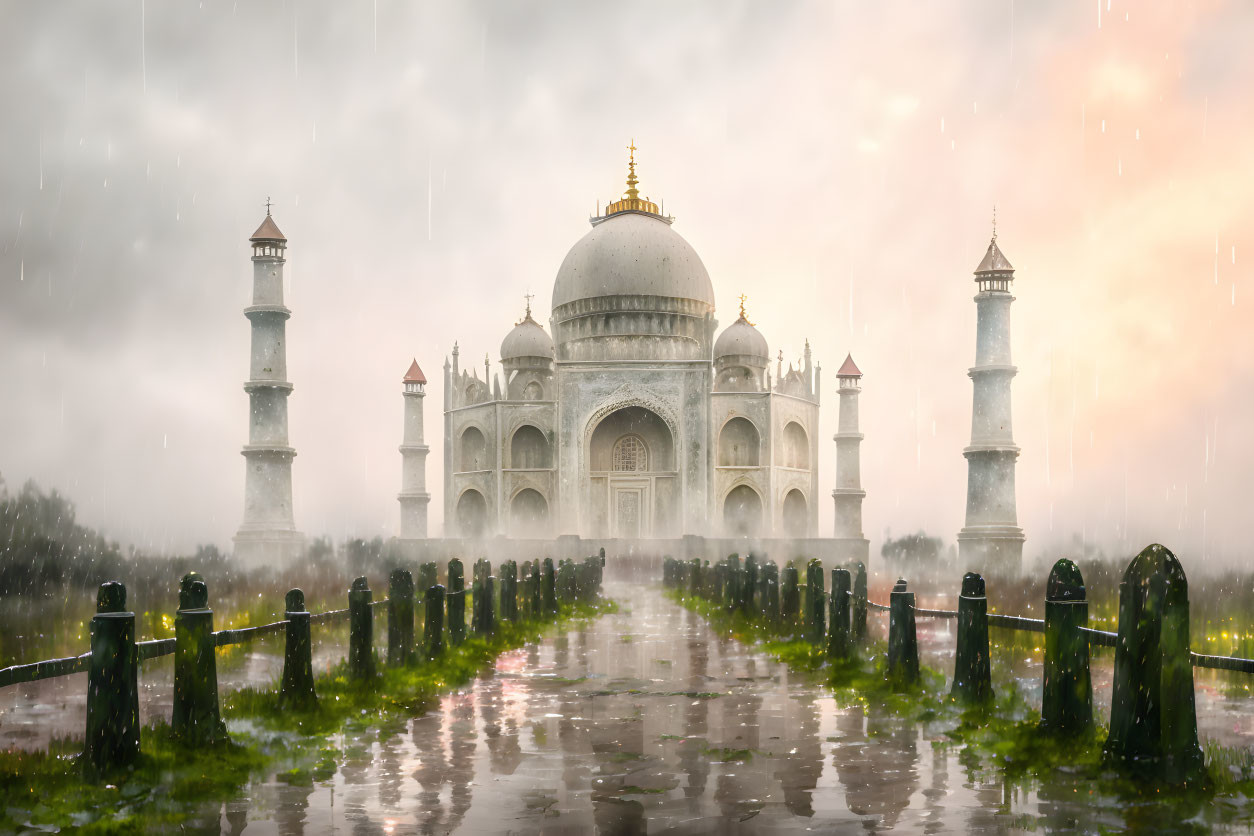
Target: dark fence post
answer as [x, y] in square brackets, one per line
[456, 602]
[770, 592]
[973, 681]
[549, 581]
[718, 587]
[360, 631]
[1067, 689]
[750, 585]
[815, 602]
[789, 596]
[509, 591]
[524, 606]
[857, 611]
[1153, 719]
[112, 683]
[297, 687]
[477, 599]
[694, 587]
[196, 719]
[735, 579]
[903, 644]
[838, 641]
[566, 581]
[536, 597]
[400, 617]
[434, 626]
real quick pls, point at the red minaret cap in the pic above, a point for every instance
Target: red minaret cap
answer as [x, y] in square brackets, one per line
[268, 231]
[848, 368]
[415, 375]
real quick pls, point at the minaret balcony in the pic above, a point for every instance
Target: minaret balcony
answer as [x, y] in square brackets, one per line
[848, 437]
[993, 368]
[857, 493]
[978, 447]
[251, 386]
[268, 310]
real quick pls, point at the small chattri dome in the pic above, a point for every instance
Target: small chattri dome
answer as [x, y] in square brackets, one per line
[741, 339]
[528, 339]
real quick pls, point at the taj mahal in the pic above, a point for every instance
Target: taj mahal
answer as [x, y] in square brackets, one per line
[632, 417]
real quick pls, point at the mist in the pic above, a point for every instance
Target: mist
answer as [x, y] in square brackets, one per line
[431, 163]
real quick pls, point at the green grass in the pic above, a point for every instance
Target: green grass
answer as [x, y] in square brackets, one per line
[172, 786]
[1001, 736]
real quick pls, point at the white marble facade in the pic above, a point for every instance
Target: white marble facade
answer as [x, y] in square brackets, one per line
[632, 420]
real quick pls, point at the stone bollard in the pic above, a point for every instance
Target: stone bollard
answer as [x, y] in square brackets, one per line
[297, 686]
[456, 598]
[433, 628]
[196, 719]
[748, 591]
[489, 605]
[973, 681]
[815, 602]
[509, 591]
[770, 592]
[857, 609]
[566, 581]
[733, 592]
[524, 600]
[839, 642]
[477, 598]
[903, 644]
[548, 580]
[1153, 719]
[537, 591]
[400, 617]
[1067, 690]
[112, 683]
[360, 631]
[789, 596]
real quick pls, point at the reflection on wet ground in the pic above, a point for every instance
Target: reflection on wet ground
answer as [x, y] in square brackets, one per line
[646, 721]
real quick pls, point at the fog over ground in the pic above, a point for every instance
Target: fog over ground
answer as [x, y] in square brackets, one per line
[430, 163]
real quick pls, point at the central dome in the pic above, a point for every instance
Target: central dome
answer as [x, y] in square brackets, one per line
[632, 254]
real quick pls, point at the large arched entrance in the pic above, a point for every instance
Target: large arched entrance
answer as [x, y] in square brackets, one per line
[742, 512]
[472, 514]
[796, 516]
[529, 514]
[631, 475]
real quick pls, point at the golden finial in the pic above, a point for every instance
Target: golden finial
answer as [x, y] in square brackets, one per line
[631, 200]
[743, 299]
[632, 180]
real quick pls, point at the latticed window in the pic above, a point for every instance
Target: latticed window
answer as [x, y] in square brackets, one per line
[630, 454]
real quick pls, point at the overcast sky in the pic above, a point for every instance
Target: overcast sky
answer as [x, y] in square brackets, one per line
[430, 163]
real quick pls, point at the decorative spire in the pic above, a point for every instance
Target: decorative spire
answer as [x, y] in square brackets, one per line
[268, 205]
[745, 319]
[994, 223]
[527, 316]
[632, 180]
[631, 199]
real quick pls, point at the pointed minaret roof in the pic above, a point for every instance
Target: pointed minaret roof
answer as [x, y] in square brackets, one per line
[994, 261]
[849, 368]
[414, 375]
[268, 231]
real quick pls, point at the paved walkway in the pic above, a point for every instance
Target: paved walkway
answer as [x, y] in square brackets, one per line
[647, 722]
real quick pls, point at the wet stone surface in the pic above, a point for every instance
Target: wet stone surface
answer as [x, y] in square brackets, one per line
[646, 721]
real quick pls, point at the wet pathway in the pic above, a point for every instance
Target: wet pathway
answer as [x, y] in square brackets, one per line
[646, 721]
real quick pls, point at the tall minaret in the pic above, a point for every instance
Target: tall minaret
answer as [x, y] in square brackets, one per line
[413, 496]
[848, 494]
[992, 540]
[268, 533]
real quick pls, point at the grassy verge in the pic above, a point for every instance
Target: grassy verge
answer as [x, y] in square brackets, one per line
[1001, 736]
[172, 786]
